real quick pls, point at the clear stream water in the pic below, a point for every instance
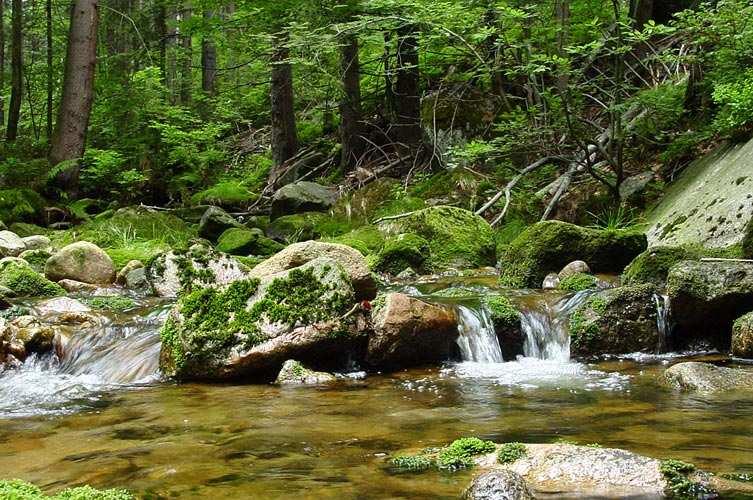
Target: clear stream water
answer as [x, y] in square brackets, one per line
[101, 416]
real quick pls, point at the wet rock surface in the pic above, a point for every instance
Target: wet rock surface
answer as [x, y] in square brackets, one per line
[81, 261]
[294, 373]
[498, 485]
[707, 378]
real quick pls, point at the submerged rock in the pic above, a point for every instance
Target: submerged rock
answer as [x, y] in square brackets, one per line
[294, 373]
[301, 197]
[706, 297]
[457, 238]
[216, 221]
[298, 254]
[547, 246]
[617, 321]
[706, 378]
[170, 273]
[11, 245]
[81, 261]
[250, 327]
[498, 485]
[742, 337]
[409, 332]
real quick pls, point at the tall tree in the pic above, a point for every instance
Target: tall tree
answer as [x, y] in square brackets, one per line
[17, 76]
[2, 63]
[50, 83]
[208, 60]
[284, 135]
[69, 138]
[407, 89]
[186, 74]
[350, 103]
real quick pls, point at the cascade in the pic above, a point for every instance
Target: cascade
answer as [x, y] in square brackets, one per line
[477, 340]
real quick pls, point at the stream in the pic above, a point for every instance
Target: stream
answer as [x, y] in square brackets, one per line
[101, 415]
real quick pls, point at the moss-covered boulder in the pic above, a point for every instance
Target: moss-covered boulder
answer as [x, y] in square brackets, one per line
[578, 282]
[216, 221]
[19, 205]
[230, 195]
[36, 258]
[81, 261]
[298, 227]
[299, 254]
[458, 239]
[618, 321]
[705, 298]
[653, 265]
[178, 271]
[251, 327]
[742, 337]
[366, 239]
[19, 279]
[238, 241]
[24, 229]
[506, 319]
[294, 373]
[409, 332]
[300, 197]
[547, 246]
[402, 252]
[86, 208]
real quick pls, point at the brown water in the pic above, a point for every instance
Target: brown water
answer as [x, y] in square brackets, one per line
[205, 441]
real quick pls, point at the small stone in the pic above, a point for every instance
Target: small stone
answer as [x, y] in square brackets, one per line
[575, 267]
[136, 280]
[216, 221]
[132, 265]
[499, 485]
[742, 337]
[10, 244]
[301, 197]
[551, 282]
[294, 373]
[73, 286]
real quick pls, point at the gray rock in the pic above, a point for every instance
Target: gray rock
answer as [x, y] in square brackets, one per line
[633, 186]
[301, 197]
[216, 221]
[136, 280]
[73, 286]
[575, 267]
[81, 261]
[551, 282]
[294, 373]
[707, 378]
[298, 254]
[36, 242]
[742, 337]
[10, 244]
[498, 485]
[132, 265]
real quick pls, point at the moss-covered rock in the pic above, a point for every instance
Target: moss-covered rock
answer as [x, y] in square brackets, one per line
[251, 327]
[18, 276]
[578, 282]
[86, 208]
[300, 197]
[36, 258]
[294, 373]
[653, 265]
[226, 194]
[506, 319]
[547, 246]
[237, 241]
[20, 205]
[216, 221]
[366, 239]
[706, 297]
[16, 489]
[24, 229]
[81, 261]
[401, 252]
[742, 337]
[458, 239]
[297, 227]
[618, 321]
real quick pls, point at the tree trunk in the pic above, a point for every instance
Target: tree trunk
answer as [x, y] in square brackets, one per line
[284, 135]
[2, 64]
[407, 91]
[186, 75]
[350, 104]
[17, 75]
[208, 61]
[69, 138]
[160, 31]
[50, 84]
[562, 8]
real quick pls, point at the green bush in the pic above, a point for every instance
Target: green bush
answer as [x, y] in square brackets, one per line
[459, 454]
[511, 452]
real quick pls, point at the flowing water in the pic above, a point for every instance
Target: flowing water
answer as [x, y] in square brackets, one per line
[99, 416]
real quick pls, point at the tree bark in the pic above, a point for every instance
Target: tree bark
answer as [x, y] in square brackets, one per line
[160, 31]
[186, 75]
[50, 84]
[208, 61]
[69, 138]
[350, 104]
[407, 91]
[17, 75]
[2, 64]
[284, 135]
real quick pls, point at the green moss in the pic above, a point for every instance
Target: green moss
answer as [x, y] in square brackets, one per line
[578, 282]
[400, 205]
[411, 463]
[583, 331]
[17, 205]
[226, 194]
[112, 303]
[548, 246]
[679, 485]
[24, 229]
[14, 311]
[15, 489]
[25, 282]
[511, 452]
[652, 266]
[85, 208]
[366, 239]
[459, 454]
[744, 477]
[36, 258]
[238, 241]
[400, 252]
[503, 312]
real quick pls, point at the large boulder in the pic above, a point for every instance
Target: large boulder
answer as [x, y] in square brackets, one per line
[36, 258]
[548, 246]
[498, 485]
[11, 245]
[249, 328]
[81, 261]
[238, 241]
[706, 297]
[301, 197]
[457, 238]
[653, 265]
[18, 279]
[294, 373]
[707, 378]
[742, 337]
[617, 321]
[216, 221]
[177, 271]
[409, 332]
[402, 252]
[298, 254]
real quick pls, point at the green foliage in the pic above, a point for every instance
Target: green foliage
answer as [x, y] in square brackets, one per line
[23, 281]
[578, 282]
[459, 454]
[511, 452]
[226, 194]
[411, 463]
[112, 303]
[16, 489]
[18, 205]
[105, 171]
[735, 99]
[503, 312]
[614, 218]
[679, 485]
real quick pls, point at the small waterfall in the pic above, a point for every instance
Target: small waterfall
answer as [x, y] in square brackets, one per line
[477, 340]
[663, 323]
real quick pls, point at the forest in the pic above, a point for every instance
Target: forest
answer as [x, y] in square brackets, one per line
[489, 249]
